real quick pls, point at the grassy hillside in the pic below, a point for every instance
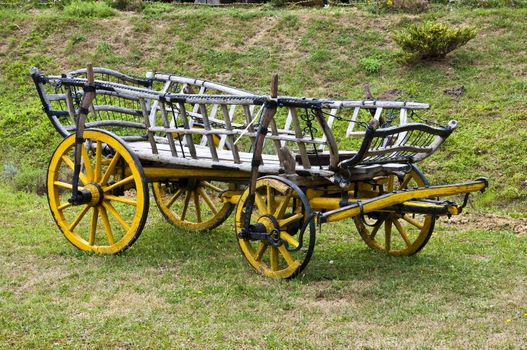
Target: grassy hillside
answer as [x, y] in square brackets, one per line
[317, 52]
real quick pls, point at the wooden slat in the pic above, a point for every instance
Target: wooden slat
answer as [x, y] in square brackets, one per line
[277, 143]
[69, 104]
[186, 126]
[234, 148]
[248, 120]
[210, 140]
[197, 106]
[170, 138]
[149, 133]
[198, 131]
[299, 134]
[352, 124]
[403, 119]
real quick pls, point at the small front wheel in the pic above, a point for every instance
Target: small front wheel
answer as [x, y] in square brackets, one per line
[280, 212]
[114, 185]
[397, 234]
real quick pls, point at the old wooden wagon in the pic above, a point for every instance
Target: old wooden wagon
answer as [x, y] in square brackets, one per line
[283, 164]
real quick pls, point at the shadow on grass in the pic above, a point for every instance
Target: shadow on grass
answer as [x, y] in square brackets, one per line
[209, 255]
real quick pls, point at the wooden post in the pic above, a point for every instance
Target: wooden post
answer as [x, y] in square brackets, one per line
[270, 111]
[89, 96]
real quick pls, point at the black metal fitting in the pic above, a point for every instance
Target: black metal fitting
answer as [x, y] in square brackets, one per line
[81, 197]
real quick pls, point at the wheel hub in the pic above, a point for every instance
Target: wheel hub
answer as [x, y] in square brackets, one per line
[96, 193]
[92, 194]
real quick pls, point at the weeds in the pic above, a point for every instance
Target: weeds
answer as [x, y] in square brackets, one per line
[78, 8]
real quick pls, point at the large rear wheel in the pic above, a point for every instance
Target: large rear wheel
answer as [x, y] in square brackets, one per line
[114, 185]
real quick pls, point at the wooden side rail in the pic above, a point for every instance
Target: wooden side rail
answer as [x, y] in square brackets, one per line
[196, 123]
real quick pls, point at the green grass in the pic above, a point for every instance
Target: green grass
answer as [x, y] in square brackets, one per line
[177, 289]
[78, 8]
[317, 53]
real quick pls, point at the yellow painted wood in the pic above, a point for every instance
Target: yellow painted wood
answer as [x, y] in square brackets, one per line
[195, 204]
[81, 229]
[274, 198]
[397, 198]
[158, 173]
[393, 233]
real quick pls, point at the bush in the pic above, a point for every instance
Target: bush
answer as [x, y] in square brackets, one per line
[80, 8]
[407, 6]
[370, 65]
[432, 39]
[126, 5]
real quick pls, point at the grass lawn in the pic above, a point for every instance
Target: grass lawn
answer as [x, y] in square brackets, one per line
[177, 289]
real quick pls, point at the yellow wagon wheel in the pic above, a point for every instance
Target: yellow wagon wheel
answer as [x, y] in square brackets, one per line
[397, 234]
[114, 184]
[192, 204]
[281, 210]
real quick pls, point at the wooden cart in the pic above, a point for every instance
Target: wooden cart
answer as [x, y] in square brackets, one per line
[283, 164]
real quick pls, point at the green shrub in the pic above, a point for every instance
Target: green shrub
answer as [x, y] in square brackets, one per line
[79, 8]
[370, 65]
[126, 5]
[384, 6]
[432, 39]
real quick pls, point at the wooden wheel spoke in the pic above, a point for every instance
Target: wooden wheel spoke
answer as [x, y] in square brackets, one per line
[63, 185]
[295, 217]
[119, 183]
[93, 226]
[270, 198]
[87, 163]
[107, 227]
[176, 195]
[98, 161]
[260, 203]
[211, 186]
[290, 239]
[280, 211]
[412, 221]
[389, 186]
[273, 258]
[116, 215]
[185, 205]
[64, 206]
[260, 251]
[71, 165]
[406, 181]
[376, 228]
[287, 256]
[388, 235]
[402, 232]
[110, 169]
[79, 217]
[208, 200]
[196, 204]
[120, 199]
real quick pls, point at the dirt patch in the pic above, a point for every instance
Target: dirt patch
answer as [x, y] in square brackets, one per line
[489, 222]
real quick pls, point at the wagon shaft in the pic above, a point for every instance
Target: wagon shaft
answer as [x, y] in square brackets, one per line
[407, 198]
